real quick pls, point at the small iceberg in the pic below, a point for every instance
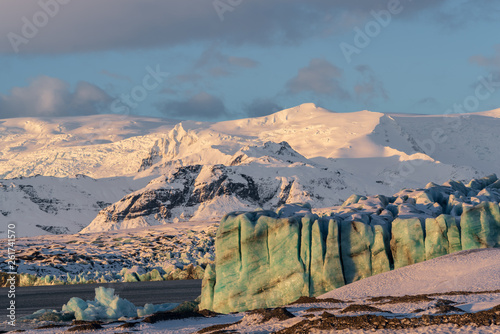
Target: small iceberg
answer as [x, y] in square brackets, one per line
[105, 306]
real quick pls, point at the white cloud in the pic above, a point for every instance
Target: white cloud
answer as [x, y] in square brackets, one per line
[46, 96]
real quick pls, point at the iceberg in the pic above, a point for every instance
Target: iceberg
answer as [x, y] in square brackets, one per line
[106, 305]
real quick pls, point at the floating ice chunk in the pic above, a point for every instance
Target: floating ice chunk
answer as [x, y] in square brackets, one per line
[150, 308]
[132, 274]
[108, 306]
[74, 305]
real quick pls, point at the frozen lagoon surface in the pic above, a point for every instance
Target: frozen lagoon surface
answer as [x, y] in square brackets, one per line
[476, 271]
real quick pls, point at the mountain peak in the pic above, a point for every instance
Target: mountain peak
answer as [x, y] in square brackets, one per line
[303, 111]
[306, 106]
[307, 109]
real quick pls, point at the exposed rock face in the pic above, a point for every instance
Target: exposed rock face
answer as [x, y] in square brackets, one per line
[155, 155]
[155, 201]
[266, 259]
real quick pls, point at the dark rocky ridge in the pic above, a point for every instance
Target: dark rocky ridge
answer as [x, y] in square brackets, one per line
[254, 177]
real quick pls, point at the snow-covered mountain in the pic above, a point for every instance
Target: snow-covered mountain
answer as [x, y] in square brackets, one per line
[203, 169]
[111, 145]
[49, 205]
[316, 133]
[98, 146]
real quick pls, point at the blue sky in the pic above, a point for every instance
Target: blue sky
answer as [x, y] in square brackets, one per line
[229, 59]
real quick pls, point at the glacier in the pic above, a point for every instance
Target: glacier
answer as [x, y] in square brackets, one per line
[272, 258]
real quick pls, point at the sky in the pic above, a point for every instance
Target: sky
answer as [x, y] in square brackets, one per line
[211, 60]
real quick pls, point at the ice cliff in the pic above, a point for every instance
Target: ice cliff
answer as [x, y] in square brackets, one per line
[267, 259]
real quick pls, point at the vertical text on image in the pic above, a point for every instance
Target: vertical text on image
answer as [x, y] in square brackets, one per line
[12, 273]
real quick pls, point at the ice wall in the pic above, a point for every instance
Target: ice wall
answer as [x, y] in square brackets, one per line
[266, 259]
[407, 242]
[481, 226]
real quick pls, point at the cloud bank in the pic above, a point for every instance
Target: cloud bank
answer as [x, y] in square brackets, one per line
[64, 26]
